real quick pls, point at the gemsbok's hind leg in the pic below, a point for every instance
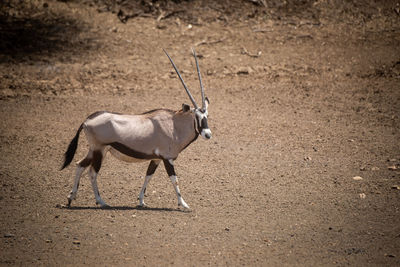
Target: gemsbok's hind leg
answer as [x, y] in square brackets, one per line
[169, 167]
[80, 168]
[94, 170]
[150, 171]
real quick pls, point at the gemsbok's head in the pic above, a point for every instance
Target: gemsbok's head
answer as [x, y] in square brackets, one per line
[200, 113]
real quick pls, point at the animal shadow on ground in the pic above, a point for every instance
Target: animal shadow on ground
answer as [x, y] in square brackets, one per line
[122, 208]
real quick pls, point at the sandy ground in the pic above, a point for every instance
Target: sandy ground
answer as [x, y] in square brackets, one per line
[303, 99]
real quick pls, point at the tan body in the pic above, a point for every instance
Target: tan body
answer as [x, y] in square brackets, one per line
[159, 134]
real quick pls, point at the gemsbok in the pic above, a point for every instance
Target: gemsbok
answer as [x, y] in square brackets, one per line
[157, 135]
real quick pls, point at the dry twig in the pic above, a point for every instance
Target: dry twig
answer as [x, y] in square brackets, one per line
[164, 15]
[209, 42]
[263, 30]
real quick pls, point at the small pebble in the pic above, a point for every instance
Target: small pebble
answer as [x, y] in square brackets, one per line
[8, 235]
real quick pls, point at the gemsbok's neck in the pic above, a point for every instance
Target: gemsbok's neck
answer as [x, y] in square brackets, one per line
[184, 125]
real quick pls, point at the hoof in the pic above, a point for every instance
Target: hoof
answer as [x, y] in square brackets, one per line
[69, 203]
[185, 207]
[183, 204]
[102, 204]
[142, 206]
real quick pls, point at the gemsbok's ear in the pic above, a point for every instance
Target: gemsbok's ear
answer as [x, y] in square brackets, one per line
[185, 107]
[206, 103]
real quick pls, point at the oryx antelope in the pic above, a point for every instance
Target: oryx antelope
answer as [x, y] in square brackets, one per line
[157, 135]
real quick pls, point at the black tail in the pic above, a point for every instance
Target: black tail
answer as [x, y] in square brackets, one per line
[69, 154]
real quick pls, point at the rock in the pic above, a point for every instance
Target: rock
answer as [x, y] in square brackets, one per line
[357, 178]
[375, 168]
[210, 72]
[76, 242]
[390, 255]
[244, 70]
[362, 195]
[392, 168]
[9, 235]
[397, 187]
[161, 26]
[350, 251]
[7, 93]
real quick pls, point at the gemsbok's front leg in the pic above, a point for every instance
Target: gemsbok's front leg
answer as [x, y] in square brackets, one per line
[150, 171]
[169, 167]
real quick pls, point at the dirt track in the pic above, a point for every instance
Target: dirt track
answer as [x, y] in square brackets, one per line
[291, 125]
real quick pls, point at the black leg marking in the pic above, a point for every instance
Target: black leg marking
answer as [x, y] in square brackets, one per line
[152, 167]
[96, 162]
[169, 168]
[85, 162]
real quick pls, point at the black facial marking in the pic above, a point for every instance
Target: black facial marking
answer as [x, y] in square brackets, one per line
[198, 122]
[204, 124]
[132, 153]
[96, 162]
[152, 168]
[169, 168]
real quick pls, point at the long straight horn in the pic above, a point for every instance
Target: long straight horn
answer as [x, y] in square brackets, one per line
[203, 99]
[183, 83]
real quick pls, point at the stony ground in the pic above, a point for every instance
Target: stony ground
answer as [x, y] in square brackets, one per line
[303, 167]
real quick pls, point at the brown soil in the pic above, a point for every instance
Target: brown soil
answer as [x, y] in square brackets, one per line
[304, 96]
